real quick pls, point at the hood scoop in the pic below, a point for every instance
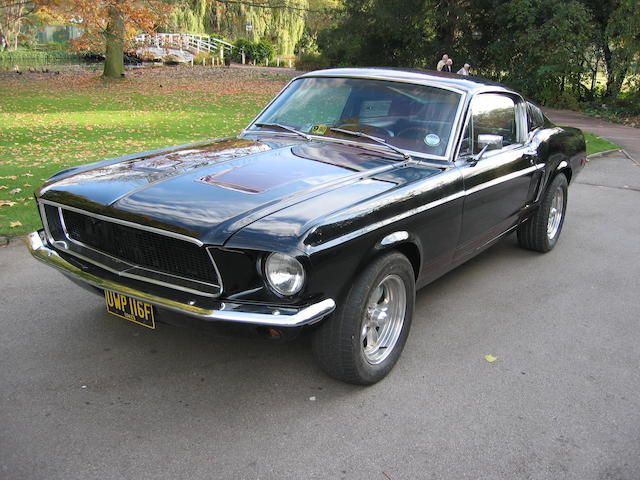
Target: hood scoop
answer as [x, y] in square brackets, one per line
[262, 176]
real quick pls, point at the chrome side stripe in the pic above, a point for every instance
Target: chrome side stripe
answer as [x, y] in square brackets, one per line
[388, 221]
[497, 181]
[418, 210]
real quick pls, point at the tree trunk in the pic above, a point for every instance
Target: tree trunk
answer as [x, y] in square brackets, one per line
[594, 76]
[114, 37]
[615, 81]
[611, 77]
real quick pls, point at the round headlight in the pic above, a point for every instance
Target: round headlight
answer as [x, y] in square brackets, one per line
[284, 273]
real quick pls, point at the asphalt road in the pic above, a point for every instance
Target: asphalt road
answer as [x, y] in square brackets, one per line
[627, 137]
[85, 395]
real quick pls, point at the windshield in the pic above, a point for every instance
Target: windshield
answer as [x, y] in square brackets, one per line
[412, 117]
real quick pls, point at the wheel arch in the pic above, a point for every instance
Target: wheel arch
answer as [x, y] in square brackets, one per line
[563, 168]
[413, 254]
[403, 242]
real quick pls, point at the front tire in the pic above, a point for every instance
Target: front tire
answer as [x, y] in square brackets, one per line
[361, 342]
[542, 230]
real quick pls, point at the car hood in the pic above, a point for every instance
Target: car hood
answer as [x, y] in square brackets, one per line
[213, 190]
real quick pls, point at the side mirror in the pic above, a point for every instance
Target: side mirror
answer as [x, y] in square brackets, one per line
[491, 142]
[486, 142]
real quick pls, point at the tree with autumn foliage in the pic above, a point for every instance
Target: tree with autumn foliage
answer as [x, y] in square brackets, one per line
[109, 24]
[13, 14]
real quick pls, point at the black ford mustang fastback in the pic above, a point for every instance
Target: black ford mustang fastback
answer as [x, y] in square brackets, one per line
[350, 190]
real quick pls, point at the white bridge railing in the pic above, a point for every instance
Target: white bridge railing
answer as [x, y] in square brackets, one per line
[184, 41]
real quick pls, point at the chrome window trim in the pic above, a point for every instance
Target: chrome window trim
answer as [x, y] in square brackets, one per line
[414, 81]
[520, 123]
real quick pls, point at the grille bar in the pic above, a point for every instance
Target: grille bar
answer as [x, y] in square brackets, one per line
[140, 247]
[136, 251]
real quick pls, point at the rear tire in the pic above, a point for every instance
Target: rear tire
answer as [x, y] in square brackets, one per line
[542, 230]
[361, 342]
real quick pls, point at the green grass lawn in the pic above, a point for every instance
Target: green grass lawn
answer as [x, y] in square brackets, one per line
[596, 144]
[48, 123]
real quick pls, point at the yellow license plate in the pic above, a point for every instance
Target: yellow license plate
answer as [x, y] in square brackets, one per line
[130, 309]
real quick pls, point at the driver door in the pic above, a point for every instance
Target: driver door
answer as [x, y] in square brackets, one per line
[497, 187]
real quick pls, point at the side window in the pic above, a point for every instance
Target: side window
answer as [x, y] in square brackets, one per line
[535, 118]
[494, 114]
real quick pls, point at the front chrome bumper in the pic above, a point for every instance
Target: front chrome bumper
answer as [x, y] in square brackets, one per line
[226, 312]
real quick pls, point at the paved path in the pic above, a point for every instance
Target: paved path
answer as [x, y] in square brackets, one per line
[627, 137]
[85, 395]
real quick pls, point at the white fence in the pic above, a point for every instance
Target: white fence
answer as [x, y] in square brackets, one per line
[185, 41]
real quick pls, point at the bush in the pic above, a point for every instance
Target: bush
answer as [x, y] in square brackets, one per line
[263, 51]
[311, 61]
[258, 51]
[51, 47]
[200, 56]
[565, 100]
[242, 44]
[35, 55]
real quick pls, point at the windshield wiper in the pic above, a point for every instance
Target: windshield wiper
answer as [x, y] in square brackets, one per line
[284, 127]
[371, 137]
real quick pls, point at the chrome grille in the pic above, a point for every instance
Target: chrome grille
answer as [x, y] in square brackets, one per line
[132, 251]
[140, 247]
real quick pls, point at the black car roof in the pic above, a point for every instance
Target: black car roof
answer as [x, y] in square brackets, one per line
[427, 77]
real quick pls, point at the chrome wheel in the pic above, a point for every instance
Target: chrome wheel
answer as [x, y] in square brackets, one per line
[383, 319]
[363, 339]
[555, 214]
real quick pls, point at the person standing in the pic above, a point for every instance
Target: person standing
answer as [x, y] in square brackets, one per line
[464, 70]
[448, 67]
[442, 62]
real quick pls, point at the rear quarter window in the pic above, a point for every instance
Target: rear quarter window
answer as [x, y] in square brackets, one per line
[535, 117]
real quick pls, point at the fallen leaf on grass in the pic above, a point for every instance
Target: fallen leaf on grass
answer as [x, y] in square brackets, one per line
[15, 224]
[2, 187]
[15, 191]
[490, 358]
[7, 202]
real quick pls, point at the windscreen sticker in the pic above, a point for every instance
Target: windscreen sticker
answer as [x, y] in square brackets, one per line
[319, 129]
[432, 140]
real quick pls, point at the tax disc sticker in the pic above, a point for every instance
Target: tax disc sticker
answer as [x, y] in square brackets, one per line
[432, 140]
[319, 129]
